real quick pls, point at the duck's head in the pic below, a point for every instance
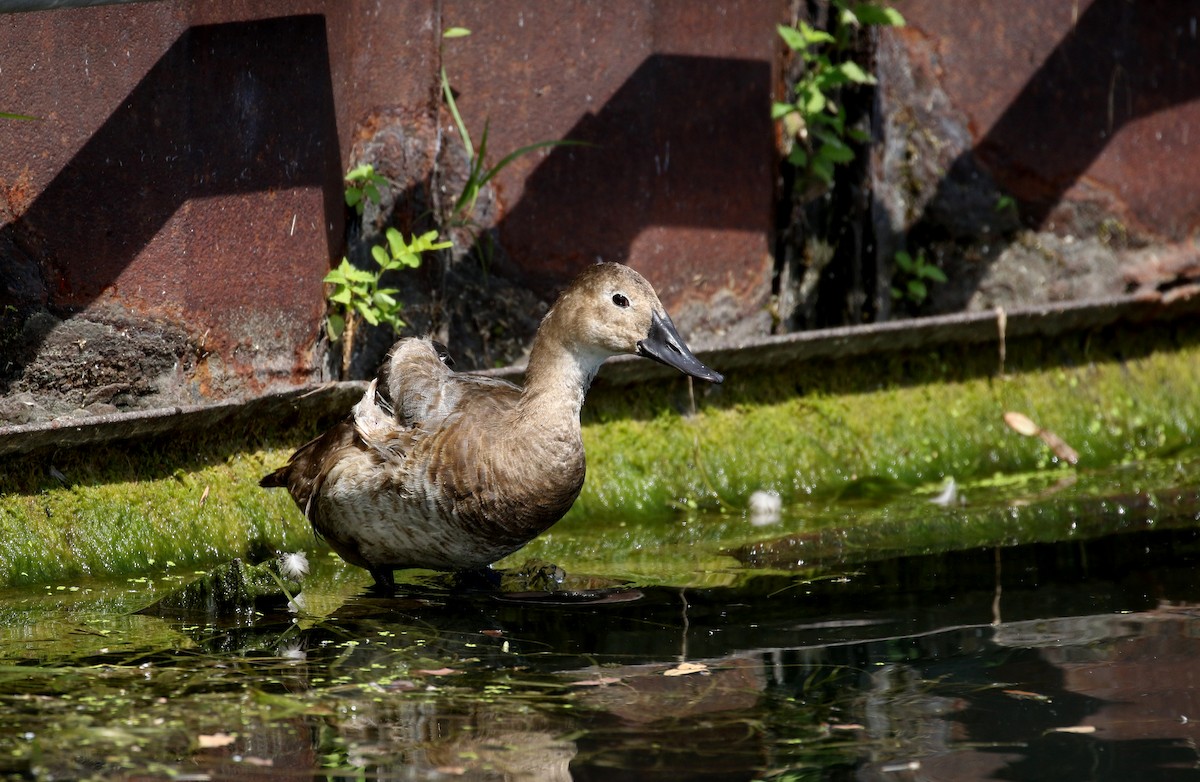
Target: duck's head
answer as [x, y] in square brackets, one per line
[611, 310]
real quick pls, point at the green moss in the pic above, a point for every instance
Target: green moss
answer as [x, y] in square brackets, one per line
[813, 431]
[914, 419]
[129, 510]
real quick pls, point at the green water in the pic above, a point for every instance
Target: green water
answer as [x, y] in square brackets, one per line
[1039, 626]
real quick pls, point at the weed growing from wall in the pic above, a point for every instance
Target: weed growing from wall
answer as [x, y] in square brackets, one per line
[359, 294]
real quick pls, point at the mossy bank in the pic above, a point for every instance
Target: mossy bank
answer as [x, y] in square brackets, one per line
[809, 431]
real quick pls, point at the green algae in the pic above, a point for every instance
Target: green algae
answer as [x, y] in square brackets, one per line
[819, 427]
[820, 536]
[815, 431]
[136, 509]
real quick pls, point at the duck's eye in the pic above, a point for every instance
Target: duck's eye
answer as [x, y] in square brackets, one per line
[620, 300]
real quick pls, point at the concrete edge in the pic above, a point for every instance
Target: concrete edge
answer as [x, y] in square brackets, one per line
[755, 354]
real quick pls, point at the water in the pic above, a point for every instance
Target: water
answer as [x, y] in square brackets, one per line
[1064, 649]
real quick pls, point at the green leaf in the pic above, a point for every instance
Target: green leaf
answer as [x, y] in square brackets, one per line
[931, 272]
[917, 291]
[22, 117]
[383, 300]
[798, 156]
[354, 198]
[341, 296]
[395, 241]
[354, 275]
[814, 36]
[427, 241]
[858, 134]
[869, 13]
[511, 156]
[365, 171]
[792, 37]
[458, 120]
[456, 32]
[368, 314]
[780, 110]
[334, 326]
[904, 261]
[854, 72]
[822, 168]
[372, 192]
[380, 255]
[813, 101]
[835, 152]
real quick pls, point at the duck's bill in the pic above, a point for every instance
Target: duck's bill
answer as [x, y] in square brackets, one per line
[663, 344]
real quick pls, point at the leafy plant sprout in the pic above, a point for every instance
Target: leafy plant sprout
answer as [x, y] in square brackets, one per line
[815, 121]
[913, 276]
[359, 294]
[362, 185]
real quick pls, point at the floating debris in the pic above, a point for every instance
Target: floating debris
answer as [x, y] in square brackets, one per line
[765, 507]
[1024, 425]
[949, 495]
[684, 669]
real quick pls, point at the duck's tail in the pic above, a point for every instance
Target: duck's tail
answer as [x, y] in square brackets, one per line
[276, 480]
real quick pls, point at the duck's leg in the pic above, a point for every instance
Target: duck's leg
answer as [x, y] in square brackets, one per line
[385, 581]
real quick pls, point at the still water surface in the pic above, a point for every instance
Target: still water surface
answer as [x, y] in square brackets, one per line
[1076, 658]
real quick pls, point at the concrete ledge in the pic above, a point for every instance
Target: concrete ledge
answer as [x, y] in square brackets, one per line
[72, 433]
[745, 356]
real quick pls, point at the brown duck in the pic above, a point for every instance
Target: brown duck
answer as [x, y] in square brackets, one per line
[451, 471]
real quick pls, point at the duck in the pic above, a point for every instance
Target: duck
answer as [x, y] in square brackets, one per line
[452, 471]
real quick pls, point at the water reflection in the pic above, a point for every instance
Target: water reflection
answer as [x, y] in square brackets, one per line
[1048, 661]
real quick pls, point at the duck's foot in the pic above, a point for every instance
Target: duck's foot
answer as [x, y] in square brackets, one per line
[385, 582]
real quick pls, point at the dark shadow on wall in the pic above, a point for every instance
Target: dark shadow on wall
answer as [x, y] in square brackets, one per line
[1122, 61]
[229, 109]
[668, 149]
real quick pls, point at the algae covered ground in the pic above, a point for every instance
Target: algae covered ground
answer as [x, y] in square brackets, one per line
[863, 428]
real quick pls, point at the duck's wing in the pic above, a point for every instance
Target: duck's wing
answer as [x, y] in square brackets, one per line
[418, 388]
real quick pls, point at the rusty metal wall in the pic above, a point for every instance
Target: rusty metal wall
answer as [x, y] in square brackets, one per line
[168, 217]
[1042, 151]
[166, 220]
[678, 178]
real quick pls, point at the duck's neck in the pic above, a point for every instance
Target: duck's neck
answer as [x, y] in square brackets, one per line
[557, 379]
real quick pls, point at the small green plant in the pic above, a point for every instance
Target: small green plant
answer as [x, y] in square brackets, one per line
[815, 121]
[915, 274]
[358, 294]
[1006, 202]
[362, 185]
